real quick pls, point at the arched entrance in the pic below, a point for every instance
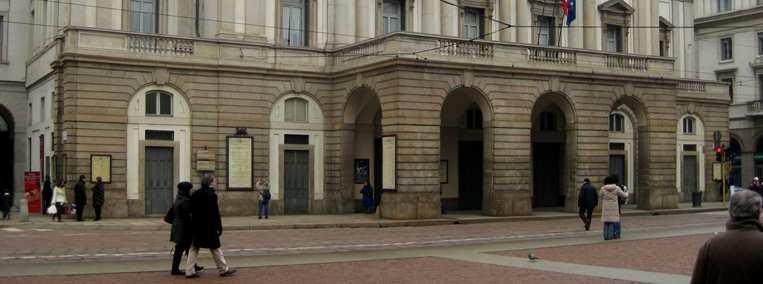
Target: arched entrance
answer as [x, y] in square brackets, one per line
[622, 148]
[690, 162]
[735, 150]
[6, 150]
[362, 146]
[464, 128]
[552, 149]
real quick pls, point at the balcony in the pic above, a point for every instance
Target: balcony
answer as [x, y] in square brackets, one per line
[755, 108]
[121, 46]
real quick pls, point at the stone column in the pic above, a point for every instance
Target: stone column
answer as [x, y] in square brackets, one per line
[342, 23]
[524, 19]
[590, 13]
[431, 17]
[748, 167]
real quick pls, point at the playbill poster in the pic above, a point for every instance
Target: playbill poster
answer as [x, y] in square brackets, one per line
[239, 162]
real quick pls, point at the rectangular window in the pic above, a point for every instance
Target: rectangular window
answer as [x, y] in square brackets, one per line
[616, 146]
[546, 32]
[614, 38]
[294, 22]
[2, 34]
[392, 17]
[297, 139]
[29, 115]
[160, 135]
[151, 103]
[690, 148]
[474, 20]
[760, 43]
[760, 87]
[724, 5]
[42, 109]
[726, 49]
[145, 16]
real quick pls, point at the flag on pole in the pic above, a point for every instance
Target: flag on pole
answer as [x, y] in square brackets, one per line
[568, 6]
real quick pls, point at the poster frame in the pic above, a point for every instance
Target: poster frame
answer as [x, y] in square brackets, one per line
[394, 170]
[227, 163]
[106, 180]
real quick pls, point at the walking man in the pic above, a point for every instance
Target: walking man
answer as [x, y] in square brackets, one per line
[80, 199]
[588, 199]
[207, 228]
[47, 195]
[734, 256]
[98, 198]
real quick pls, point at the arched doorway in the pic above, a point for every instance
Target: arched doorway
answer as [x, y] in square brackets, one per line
[622, 148]
[6, 150]
[362, 146]
[552, 149]
[464, 126]
[735, 150]
[690, 158]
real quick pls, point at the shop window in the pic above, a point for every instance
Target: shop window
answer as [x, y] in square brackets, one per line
[296, 110]
[158, 103]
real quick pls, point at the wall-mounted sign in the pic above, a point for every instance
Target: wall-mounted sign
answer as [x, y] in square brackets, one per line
[240, 149]
[100, 166]
[389, 162]
[205, 161]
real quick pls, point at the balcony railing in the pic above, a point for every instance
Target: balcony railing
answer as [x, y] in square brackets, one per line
[692, 85]
[755, 108]
[452, 47]
[552, 55]
[159, 45]
[628, 62]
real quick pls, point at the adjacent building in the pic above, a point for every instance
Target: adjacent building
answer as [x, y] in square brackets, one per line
[729, 34]
[437, 103]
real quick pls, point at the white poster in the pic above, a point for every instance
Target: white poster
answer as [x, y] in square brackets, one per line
[240, 162]
[389, 160]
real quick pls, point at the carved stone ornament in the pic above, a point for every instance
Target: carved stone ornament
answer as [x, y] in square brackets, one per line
[161, 76]
[298, 85]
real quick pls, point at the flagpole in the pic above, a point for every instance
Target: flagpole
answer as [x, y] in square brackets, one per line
[561, 25]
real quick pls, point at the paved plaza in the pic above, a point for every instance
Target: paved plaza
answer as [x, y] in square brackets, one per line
[654, 249]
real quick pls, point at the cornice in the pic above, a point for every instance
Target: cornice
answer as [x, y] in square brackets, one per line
[733, 16]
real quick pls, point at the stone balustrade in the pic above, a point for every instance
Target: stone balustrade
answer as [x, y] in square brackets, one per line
[552, 55]
[468, 48]
[159, 45]
[628, 62]
[692, 85]
[755, 107]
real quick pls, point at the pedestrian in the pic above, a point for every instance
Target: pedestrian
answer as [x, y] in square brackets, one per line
[47, 195]
[368, 197]
[80, 199]
[6, 202]
[610, 214]
[59, 199]
[98, 198]
[181, 233]
[263, 202]
[207, 228]
[756, 186]
[734, 256]
[588, 199]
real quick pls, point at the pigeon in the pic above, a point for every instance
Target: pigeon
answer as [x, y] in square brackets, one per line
[531, 256]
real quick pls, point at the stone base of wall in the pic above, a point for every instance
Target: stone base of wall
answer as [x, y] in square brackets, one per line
[507, 203]
[410, 205]
[136, 208]
[662, 199]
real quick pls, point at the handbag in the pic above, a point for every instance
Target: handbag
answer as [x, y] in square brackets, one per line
[52, 210]
[170, 216]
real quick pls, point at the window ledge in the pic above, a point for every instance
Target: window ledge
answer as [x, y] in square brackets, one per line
[726, 61]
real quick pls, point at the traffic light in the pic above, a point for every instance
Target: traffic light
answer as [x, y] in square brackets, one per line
[719, 154]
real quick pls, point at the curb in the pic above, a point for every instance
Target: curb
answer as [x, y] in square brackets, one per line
[446, 220]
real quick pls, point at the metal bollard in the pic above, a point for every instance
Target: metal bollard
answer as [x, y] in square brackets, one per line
[23, 210]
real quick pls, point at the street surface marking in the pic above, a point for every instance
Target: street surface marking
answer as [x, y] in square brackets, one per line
[12, 230]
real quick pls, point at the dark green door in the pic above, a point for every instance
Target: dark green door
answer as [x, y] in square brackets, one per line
[158, 180]
[689, 177]
[470, 175]
[296, 182]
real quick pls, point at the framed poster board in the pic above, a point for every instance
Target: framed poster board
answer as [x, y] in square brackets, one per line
[361, 169]
[389, 162]
[100, 166]
[239, 169]
[443, 171]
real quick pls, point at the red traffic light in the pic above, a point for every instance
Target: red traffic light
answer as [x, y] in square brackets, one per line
[718, 150]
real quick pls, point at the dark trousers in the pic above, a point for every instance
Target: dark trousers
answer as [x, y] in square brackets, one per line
[59, 211]
[45, 205]
[97, 212]
[263, 206]
[585, 215]
[177, 256]
[80, 208]
[7, 214]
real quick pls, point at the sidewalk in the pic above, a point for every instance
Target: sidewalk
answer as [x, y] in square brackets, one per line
[331, 221]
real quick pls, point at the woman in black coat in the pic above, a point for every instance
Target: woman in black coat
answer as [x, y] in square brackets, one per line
[80, 199]
[181, 234]
[98, 198]
[47, 195]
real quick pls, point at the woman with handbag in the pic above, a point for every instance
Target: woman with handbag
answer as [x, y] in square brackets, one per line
[59, 198]
[180, 218]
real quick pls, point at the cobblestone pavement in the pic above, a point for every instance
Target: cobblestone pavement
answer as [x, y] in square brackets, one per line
[485, 253]
[30, 245]
[415, 270]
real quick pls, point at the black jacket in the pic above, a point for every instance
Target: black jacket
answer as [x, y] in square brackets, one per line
[182, 233]
[79, 194]
[588, 198]
[47, 191]
[98, 195]
[205, 217]
[266, 196]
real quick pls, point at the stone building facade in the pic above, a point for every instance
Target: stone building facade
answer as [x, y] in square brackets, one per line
[730, 37]
[504, 123]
